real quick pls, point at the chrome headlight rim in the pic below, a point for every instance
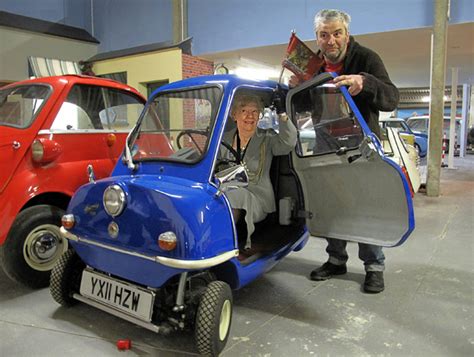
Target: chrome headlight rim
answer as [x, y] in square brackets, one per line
[114, 208]
[37, 150]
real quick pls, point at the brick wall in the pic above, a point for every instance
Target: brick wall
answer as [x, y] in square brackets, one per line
[195, 66]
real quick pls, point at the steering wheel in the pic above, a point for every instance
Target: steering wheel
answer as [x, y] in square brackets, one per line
[234, 153]
[189, 133]
[225, 162]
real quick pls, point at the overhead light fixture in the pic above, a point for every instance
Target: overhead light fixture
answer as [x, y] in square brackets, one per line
[256, 73]
[252, 69]
[426, 99]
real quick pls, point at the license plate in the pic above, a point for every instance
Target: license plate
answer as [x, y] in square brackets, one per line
[125, 297]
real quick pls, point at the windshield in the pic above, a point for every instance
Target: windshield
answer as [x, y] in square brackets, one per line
[421, 124]
[418, 125]
[176, 126]
[393, 124]
[325, 121]
[20, 105]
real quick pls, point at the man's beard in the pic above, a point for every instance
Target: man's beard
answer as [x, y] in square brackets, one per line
[336, 57]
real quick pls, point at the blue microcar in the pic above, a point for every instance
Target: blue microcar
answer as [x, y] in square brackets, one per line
[156, 243]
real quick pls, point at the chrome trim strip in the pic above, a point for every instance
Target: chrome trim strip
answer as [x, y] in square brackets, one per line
[198, 264]
[112, 311]
[81, 131]
[170, 262]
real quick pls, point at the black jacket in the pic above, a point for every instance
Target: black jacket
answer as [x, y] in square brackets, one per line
[378, 93]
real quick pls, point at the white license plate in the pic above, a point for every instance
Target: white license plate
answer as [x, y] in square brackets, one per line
[125, 297]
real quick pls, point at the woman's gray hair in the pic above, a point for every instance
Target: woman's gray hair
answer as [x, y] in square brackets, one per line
[241, 100]
[328, 15]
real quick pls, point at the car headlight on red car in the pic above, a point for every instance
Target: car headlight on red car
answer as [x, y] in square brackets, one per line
[44, 151]
[114, 200]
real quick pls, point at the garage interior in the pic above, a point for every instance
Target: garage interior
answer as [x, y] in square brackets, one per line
[427, 307]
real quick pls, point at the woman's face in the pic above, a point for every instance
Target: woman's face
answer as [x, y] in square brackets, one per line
[246, 117]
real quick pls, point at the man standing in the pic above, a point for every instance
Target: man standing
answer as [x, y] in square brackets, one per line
[363, 72]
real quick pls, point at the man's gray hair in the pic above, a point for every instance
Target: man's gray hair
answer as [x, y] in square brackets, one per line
[328, 15]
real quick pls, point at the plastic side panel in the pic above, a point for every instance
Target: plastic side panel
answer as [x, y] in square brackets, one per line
[366, 202]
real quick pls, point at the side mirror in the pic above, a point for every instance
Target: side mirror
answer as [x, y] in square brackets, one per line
[232, 177]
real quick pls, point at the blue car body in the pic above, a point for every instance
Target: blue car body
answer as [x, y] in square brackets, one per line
[180, 193]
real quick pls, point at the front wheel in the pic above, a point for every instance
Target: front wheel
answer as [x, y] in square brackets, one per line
[66, 278]
[213, 318]
[33, 245]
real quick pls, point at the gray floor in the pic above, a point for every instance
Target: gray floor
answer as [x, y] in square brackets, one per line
[426, 309]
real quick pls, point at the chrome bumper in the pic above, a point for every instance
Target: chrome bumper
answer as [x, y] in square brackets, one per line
[170, 262]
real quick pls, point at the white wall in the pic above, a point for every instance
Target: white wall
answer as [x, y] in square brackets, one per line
[17, 45]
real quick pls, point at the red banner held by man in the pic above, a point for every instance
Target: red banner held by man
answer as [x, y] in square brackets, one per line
[300, 59]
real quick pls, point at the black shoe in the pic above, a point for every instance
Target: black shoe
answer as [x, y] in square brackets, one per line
[327, 270]
[374, 282]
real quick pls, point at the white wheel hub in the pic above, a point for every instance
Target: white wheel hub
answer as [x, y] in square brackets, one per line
[43, 247]
[224, 321]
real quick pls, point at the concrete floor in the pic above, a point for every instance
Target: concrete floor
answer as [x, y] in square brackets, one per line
[426, 309]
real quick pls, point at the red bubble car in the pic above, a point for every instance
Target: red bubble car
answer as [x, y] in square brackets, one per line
[51, 129]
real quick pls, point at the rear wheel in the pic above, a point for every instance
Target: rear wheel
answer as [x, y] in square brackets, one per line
[33, 245]
[66, 278]
[213, 318]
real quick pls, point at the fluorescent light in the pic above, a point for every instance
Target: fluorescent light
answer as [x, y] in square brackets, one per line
[426, 99]
[256, 73]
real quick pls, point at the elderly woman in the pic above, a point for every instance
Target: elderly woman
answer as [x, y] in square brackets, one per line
[255, 201]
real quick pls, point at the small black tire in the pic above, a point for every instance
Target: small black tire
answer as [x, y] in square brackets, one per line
[33, 245]
[66, 278]
[213, 318]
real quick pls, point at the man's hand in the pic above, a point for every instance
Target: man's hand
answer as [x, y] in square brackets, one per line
[294, 81]
[354, 82]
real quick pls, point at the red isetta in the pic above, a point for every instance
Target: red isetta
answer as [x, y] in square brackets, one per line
[51, 129]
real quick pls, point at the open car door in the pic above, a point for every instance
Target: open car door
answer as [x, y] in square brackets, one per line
[352, 191]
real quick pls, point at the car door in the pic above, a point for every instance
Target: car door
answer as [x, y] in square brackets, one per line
[91, 126]
[19, 107]
[352, 191]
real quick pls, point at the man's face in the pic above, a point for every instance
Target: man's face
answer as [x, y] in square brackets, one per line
[332, 38]
[246, 117]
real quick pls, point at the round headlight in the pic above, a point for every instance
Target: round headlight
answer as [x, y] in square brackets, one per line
[114, 200]
[37, 150]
